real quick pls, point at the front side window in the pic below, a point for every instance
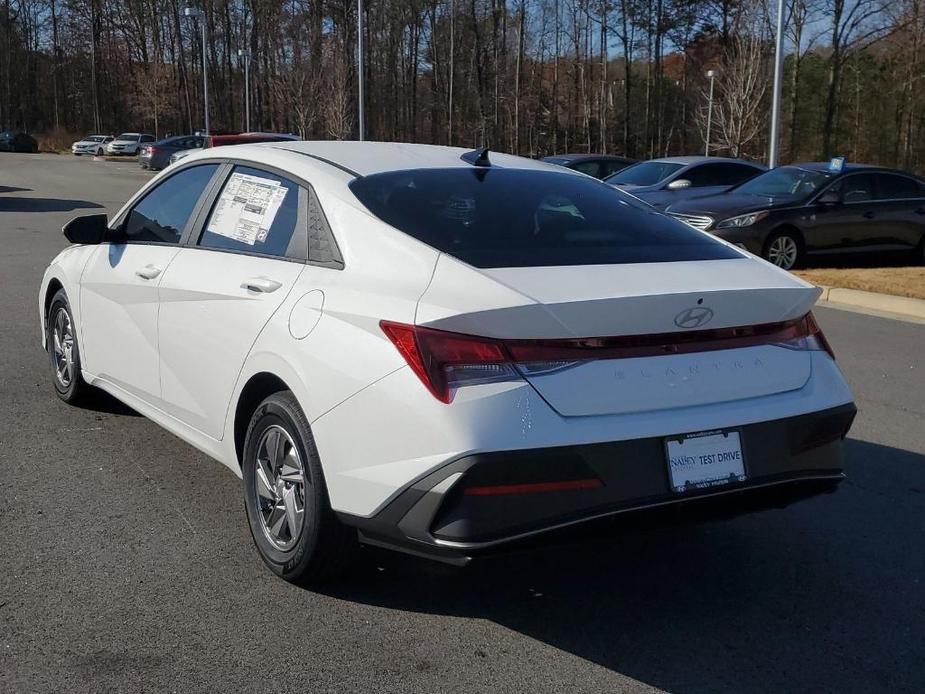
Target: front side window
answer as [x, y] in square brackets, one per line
[526, 218]
[256, 212]
[162, 214]
[786, 183]
[857, 188]
[645, 174]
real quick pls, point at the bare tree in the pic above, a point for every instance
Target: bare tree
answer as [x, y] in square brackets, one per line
[740, 112]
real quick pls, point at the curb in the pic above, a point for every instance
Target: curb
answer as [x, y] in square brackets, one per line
[888, 303]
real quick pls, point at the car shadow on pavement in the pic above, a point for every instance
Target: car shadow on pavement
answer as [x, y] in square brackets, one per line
[861, 260]
[13, 189]
[825, 595]
[97, 400]
[45, 205]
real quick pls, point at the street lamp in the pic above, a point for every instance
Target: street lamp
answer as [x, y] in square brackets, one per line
[706, 150]
[196, 13]
[778, 78]
[246, 57]
[361, 77]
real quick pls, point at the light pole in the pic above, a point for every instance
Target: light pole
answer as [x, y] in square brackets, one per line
[778, 77]
[706, 149]
[196, 13]
[361, 77]
[246, 57]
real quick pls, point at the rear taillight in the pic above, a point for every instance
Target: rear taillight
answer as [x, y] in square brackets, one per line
[445, 360]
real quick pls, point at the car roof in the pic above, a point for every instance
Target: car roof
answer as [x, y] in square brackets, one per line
[367, 158]
[824, 166]
[580, 157]
[689, 160]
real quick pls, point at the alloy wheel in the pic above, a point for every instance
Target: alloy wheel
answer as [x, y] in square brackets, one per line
[63, 346]
[280, 487]
[783, 252]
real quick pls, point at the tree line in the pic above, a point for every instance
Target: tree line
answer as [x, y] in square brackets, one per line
[532, 77]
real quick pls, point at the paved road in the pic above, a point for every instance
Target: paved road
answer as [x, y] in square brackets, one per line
[126, 564]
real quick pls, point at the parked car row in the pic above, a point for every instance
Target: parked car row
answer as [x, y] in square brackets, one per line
[783, 214]
[792, 211]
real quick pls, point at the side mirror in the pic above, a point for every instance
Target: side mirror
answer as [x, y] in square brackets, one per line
[88, 229]
[679, 184]
[829, 197]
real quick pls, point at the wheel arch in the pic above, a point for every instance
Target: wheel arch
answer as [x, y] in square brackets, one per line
[259, 386]
[54, 286]
[786, 228]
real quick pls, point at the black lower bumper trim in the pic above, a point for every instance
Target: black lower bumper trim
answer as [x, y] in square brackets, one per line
[786, 460]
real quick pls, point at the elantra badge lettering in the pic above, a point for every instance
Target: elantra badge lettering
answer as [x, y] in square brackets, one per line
[693, 317]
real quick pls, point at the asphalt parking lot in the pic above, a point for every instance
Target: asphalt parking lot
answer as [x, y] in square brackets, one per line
[126, 563]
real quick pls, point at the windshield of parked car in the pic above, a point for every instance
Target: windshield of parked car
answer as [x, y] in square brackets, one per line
[785, 182]
[527, 218]
[94, 138]
[647, 173]
[131, 137]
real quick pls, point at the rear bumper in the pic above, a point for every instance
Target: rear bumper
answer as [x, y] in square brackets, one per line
[786, 460]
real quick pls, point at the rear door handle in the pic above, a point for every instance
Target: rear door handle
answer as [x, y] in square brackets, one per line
[261, 284]
[148, 272]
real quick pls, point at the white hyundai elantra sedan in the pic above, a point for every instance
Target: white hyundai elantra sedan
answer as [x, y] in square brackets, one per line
[441, 351]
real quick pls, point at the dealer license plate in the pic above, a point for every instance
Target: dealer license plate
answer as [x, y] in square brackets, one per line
[708, 459]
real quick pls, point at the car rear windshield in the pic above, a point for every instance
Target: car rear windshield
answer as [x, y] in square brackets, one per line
[645, 174]
[523, 218]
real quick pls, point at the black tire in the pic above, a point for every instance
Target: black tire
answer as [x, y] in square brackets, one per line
[324, 548]
[70, 388]
[775, 246]
[100, 152]
[920, 251]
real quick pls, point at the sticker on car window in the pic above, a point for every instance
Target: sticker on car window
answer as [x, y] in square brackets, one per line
[246, 208]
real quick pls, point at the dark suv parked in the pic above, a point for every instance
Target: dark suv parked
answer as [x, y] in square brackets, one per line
[791, 211]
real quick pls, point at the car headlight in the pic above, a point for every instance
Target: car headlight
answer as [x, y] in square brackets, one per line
[743, 220]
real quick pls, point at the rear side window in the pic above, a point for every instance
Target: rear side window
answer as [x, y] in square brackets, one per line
[611, 166]
[256, 212]
[893, 187]
[719, 174]
[162, 214]
[516, 218]
[592, 168]
[647, 173]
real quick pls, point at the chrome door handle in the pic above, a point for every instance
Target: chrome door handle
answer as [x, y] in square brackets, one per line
[148, 272]
[261, 284]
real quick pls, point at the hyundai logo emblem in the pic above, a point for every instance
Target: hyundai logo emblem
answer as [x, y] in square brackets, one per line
[693, 317]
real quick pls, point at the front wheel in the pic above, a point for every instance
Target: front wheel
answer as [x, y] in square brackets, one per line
[63, 351]
[784, 249]
[285, 496]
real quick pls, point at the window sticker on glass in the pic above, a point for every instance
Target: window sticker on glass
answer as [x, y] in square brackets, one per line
[246, 208]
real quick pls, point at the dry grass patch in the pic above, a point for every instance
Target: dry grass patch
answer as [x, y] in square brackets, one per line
[899, 281]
